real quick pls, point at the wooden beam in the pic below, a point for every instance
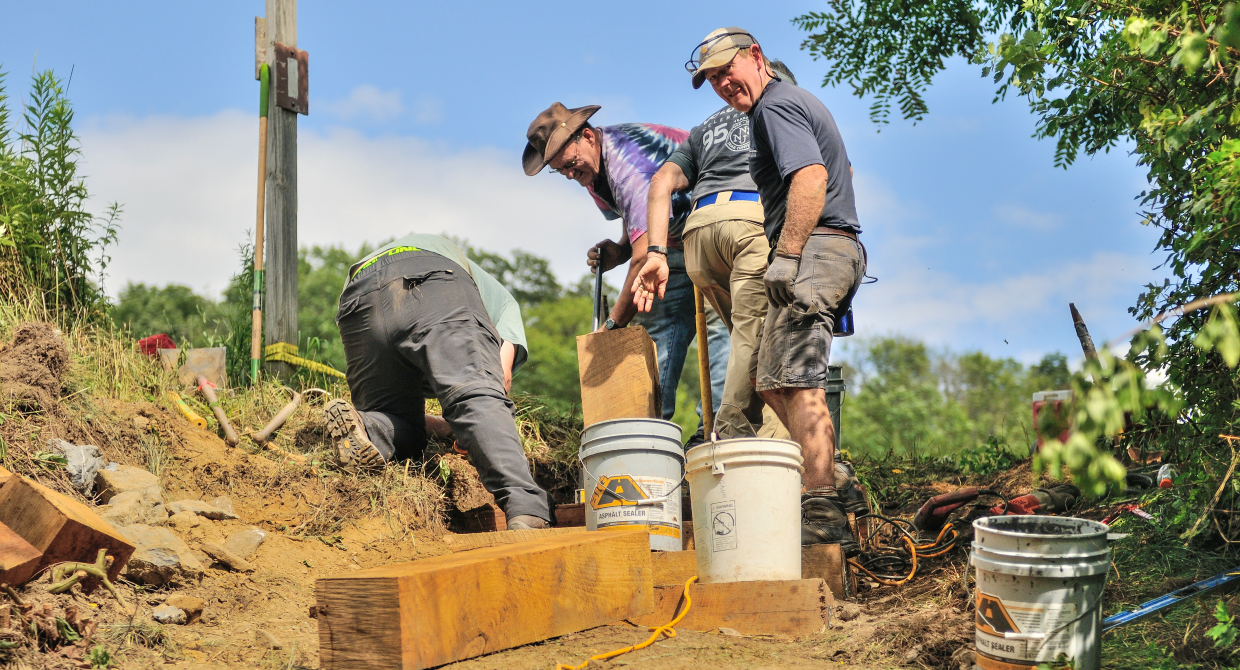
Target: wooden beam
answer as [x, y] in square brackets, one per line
[481, 540]
[673, 568]
[796, 607]
[19, 560]
[5, 476]
[826, 562]
[280, 255]
[61, 528]
[449, 608]
[619, 374]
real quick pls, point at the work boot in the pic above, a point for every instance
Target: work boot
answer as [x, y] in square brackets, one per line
[849, 488]
[354, 451]
[823, 521]
[525, 522]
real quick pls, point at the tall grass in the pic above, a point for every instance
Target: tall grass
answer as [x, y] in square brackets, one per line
[52, 250]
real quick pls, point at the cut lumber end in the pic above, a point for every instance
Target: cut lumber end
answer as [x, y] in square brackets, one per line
[448, 608]
[61, 528]
[827, 562]
[5, 476]
[19, 560]
[619, 373]
[796, 607]
[672, 568]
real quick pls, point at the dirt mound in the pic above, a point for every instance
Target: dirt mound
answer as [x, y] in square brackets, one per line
[464, 487]
[31, 366]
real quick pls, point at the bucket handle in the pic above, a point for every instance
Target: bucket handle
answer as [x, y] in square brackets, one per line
[650, 501]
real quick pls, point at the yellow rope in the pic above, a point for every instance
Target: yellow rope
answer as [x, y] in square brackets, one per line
[284, 352]
[665, 629]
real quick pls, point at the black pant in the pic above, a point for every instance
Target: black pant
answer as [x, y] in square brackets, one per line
[414, 326]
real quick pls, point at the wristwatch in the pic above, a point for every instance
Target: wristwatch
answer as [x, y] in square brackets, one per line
[610, 324]
[655, 249]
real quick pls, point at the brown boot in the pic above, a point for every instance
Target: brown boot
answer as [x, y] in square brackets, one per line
[354, 451]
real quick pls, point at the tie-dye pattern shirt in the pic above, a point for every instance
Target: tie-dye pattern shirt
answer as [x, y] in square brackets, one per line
[632, 154]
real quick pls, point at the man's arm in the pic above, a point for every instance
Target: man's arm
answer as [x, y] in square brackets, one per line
[653, 274]
[806, 195]
[624, 310]
[507, 354]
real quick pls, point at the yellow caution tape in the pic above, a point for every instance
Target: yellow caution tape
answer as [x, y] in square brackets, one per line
[283, 352]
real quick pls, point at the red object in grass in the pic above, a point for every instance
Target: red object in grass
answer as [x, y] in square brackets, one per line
[151, 345]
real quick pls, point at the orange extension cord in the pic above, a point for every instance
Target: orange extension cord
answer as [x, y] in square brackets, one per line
[665, 629]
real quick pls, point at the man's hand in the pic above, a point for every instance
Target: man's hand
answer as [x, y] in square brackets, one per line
[609, 253]
[651, 281]
[780, 277]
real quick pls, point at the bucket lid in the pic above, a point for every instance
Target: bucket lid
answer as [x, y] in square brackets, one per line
[744, 450]
[632, 434]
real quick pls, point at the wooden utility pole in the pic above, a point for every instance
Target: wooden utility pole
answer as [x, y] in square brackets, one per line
[280, 314]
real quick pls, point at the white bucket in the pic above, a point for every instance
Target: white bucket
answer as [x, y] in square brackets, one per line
[633, 470]
[746, 497]
[1039, 590]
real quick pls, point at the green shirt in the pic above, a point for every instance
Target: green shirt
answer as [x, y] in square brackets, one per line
[503, 309]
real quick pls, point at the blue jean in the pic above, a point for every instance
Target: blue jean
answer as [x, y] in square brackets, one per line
[672, 324]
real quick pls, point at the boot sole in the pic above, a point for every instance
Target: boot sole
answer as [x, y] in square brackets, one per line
[353, 449]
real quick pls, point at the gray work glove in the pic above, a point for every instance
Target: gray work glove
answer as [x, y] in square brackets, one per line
[780, 277]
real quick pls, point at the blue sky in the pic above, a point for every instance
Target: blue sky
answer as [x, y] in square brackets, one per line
[418, 115]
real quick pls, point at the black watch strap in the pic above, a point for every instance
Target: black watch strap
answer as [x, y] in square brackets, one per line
[655, 249]
[610, 324]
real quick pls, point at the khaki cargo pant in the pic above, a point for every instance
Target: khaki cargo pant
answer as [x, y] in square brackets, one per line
[726, 257]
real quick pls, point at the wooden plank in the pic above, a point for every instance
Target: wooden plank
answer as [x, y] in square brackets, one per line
[61, 528]
[5, 476]
[480, 540]
[619, 374]
[686, 533]
[796, 607]
[448, 608]
[572, 514]
[673, 568]
[19, 561]
[488, 518]
[826, 562]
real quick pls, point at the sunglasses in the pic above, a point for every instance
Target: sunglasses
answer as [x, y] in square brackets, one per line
[704, 47]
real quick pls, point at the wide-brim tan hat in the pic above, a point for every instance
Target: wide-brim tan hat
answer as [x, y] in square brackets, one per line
[719, 48]
[549, 133]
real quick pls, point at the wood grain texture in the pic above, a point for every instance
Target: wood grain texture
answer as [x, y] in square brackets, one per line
[448, 608]
[480, 540]
[826, 562]
[488, 518]
[796, 607]
[570, 515]
[280, 273]
[619, 373]
[19, 560]
[61, 528]
[5, 476]
[673, 568]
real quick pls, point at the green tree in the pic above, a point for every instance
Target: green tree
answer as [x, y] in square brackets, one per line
[1158, 74]
[173, 309]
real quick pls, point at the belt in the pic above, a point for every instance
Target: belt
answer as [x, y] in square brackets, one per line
[395, 251]
[827, 230]
[751, 196]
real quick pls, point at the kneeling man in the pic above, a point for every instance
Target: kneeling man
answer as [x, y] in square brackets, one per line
[418, 319]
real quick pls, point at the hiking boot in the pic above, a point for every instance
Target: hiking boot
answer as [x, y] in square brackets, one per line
[849, 487]
[525, 522]
[354, 451]
[823, 521]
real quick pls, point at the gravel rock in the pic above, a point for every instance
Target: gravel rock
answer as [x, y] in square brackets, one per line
[167, 614]
[201, 508]
[126, 479]
[192, 606]
[159, 558]
[246, 542]
[126, 509]
[183, 521]
[849, 612]
[85, 461]
[224, 503]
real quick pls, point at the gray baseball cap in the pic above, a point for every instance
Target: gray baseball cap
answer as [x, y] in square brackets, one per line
[719, 48]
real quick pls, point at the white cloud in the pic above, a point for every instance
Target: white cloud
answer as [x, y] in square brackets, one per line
[368, 102]
[1024, 217]
[188, 186]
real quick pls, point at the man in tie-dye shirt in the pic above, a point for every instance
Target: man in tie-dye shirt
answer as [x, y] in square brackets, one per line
[615, 164]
